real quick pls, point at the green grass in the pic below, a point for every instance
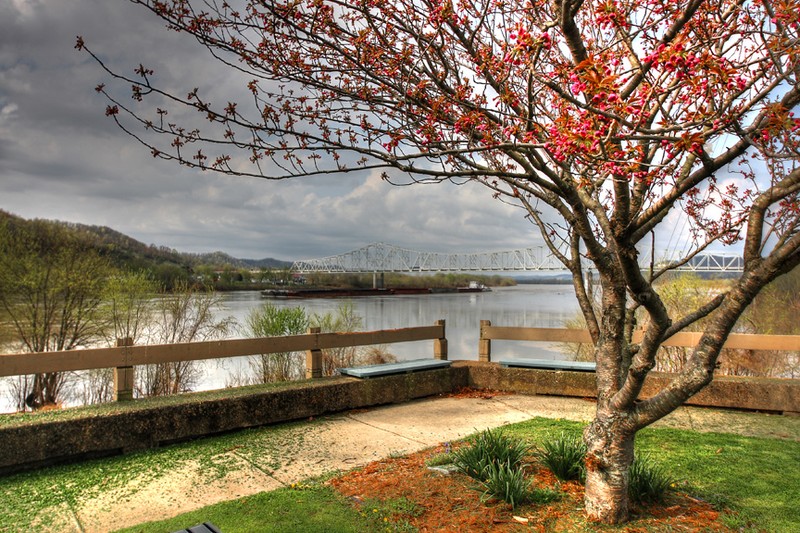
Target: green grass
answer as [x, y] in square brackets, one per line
[440, 459]
[310, 509]
[757, 478]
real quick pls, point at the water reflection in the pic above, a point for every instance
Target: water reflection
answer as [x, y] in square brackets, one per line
[548, 306]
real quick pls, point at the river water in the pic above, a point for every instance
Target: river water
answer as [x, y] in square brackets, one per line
[544, 306]
[547, 306]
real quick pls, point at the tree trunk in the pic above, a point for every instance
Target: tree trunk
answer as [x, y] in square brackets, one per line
[46, 390]
[608, 459]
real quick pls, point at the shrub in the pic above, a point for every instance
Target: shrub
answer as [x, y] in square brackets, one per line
[648, 480]
[564, 456]
[272, 321]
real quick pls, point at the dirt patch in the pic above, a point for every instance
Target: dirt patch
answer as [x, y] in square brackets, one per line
[453, 503]
[185, 489]
[56, 519]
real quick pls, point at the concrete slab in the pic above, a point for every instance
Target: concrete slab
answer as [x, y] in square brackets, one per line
[576, 409]
[431, 422]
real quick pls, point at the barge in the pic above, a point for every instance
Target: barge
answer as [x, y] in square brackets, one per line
[358, 293]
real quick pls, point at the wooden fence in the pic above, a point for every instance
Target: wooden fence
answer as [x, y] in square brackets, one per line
[125, 355]
[735, 341]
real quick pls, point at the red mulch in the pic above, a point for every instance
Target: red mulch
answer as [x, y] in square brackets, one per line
[452, 503]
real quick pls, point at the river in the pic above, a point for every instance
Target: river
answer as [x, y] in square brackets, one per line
[548, 306]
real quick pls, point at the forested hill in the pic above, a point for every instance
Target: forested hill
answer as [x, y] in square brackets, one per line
[126, 252]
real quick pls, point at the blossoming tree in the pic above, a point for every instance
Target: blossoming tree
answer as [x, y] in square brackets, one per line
[601, 119]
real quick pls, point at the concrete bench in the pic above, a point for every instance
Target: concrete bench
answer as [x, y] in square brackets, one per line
[402, 367]
[549, 364]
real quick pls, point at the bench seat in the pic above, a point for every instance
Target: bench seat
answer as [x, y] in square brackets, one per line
[550, 364]
[205, 527]
[402, 367]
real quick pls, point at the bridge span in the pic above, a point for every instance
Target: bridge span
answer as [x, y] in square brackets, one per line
[381, 257]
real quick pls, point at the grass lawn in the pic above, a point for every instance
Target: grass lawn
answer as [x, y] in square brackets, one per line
[756, 479]
[308, 508]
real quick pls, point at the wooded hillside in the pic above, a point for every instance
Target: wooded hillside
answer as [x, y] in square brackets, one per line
[130, 254]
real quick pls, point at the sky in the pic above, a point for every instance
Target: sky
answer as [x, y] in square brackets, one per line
[61, 158]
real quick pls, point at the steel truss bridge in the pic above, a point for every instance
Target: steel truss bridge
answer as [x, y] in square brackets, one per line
[380, 257]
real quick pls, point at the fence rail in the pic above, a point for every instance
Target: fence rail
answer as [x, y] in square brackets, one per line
[736, 341]
[125, 356]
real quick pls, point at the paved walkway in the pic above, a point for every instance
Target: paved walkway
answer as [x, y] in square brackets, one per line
[352, 439]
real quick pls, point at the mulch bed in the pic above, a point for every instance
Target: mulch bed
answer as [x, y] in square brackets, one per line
[454, 504]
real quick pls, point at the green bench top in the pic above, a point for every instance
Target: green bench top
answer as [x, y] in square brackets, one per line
[550, 364]
[402, 367]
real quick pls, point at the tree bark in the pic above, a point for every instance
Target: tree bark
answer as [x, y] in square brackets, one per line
[610, 440]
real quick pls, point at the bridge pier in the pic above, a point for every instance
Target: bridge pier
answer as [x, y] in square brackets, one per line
[378, 280]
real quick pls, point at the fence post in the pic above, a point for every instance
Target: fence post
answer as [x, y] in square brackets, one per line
[123, 377]
[484, 344]
[440, 344]
[313, 359]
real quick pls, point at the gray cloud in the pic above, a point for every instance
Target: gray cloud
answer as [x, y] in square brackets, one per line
[60, 157]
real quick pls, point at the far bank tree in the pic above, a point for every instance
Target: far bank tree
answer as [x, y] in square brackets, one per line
[602, 120]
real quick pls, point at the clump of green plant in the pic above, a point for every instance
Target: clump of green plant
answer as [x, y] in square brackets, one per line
[495, 461]
[649, 481]
[506, 482]
[564, 456]
[486, 448]
[270, 320]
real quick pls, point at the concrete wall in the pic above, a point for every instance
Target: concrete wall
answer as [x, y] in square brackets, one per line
[754, 394]
[146, 424]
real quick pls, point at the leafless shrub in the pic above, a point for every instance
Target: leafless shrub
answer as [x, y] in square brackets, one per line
[184, 315]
